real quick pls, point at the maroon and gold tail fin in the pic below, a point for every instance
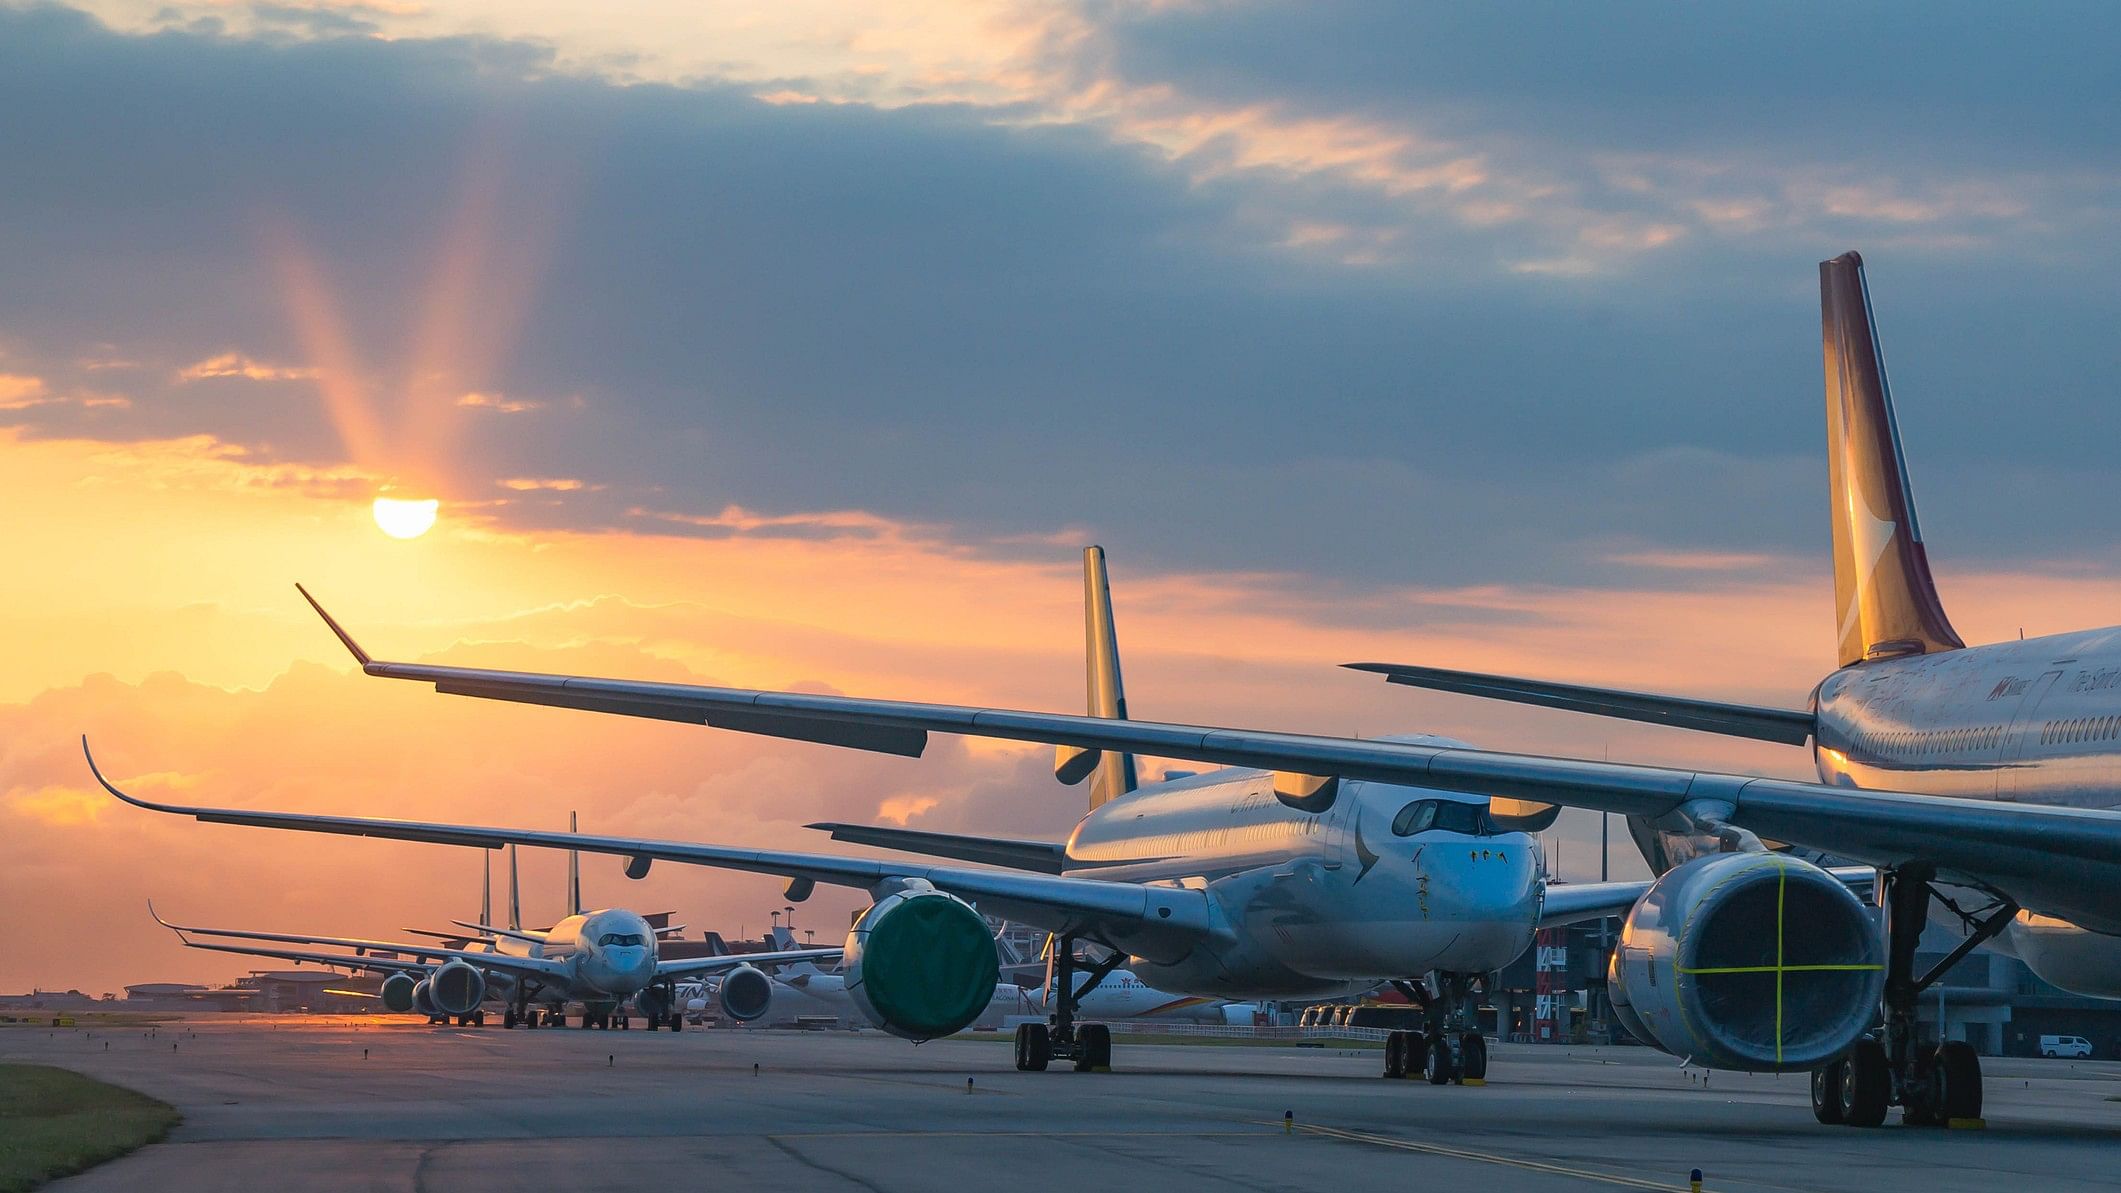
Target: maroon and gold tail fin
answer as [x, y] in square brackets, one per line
[1884, 598]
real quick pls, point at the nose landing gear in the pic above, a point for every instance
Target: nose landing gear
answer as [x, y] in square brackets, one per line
[1937, 1087]
[1089, 1045]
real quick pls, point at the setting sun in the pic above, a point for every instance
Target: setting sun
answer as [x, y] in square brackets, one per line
[403, 518]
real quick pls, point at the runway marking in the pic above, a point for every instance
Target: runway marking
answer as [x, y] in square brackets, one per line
[1021, 1135]
[1459, 1153]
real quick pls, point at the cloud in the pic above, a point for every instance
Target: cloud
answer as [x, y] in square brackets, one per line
[235, 364]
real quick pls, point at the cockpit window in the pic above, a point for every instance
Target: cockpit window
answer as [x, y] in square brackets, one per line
[621, 938]
[1448, 815]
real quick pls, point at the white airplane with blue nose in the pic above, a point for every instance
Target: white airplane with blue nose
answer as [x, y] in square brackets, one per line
[1234, 884]
[603, 960]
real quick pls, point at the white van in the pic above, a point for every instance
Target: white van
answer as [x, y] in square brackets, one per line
[2069, 1046]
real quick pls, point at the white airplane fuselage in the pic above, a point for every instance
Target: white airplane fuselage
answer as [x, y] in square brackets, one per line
[610, 955]
[1319, 905]
[2032, 721]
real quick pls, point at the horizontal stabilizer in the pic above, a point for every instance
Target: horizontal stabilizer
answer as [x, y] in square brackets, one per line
[1041, 857]
[1790, 727]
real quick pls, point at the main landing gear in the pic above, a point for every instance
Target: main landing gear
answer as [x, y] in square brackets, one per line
[1934, 1087]
[1089, 1045]
[1447, 1050]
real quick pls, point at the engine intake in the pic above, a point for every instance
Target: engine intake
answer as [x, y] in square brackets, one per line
[423, 998]
[746, 994]
[397, 992]
[920, 964]
[1749, 961]
[457, 988]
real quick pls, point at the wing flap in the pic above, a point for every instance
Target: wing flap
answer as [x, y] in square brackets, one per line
[1789, 727]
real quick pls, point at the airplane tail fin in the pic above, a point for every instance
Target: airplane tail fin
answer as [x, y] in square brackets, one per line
[1884, 598]
[515, 897]
[486, 886]
[574, 868]
[1111, 773]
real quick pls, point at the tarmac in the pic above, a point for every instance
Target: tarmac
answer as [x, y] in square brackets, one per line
[379, 1104]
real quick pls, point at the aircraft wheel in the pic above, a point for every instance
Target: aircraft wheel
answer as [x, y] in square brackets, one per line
[478, 1018]
[1093, 1048]
[1826, 1093]
[1919, 1103]
[1472, 1057]
[1396, 1055]
[1865, 1084]
[677, 1021]
[1033, 1048]
[625, 1023]
[1958, 1081]
[508, 1018]
[1437, 1064]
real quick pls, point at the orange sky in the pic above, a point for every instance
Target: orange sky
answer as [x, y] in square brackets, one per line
[156, 613]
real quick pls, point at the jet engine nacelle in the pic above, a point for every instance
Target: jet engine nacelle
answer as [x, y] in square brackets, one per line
[397, 992]
[457, 988]
[652, 1002]
[920, 964]
[1749, 961]
[423, 998]
[746, 994]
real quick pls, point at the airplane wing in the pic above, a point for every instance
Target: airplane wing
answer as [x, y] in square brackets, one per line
[417, 953]
[522, 967]
[2053, 860]
[1577, 902]
[691, 966]
[1790, 727]
[1043, 857]
[1148, 920]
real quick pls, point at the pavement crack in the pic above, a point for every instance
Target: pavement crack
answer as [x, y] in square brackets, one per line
[790, 1151]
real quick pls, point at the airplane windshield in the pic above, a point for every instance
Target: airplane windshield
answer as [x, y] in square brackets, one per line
[1448, 815]
[621, 938]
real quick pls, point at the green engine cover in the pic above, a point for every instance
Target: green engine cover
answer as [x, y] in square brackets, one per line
[921, 965]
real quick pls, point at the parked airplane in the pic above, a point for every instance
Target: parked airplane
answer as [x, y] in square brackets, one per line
[1911, 709]
[600, 959]
[1228, 885]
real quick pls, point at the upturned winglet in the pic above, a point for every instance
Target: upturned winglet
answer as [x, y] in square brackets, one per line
[107, 785]
[360, 656]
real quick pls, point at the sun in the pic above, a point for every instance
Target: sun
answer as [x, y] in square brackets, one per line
[405, 518]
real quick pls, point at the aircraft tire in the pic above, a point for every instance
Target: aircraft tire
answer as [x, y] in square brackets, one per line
[1826, 1093]
[1866, 1084]
[1920, 1104]
[1396, 1055]
[1437, 1063]
[1472, 1057]
[1034, 1048]
[1958, 1071]
[625, 1022]
[1093, 1048]
[508, 1019]
[677, 1022]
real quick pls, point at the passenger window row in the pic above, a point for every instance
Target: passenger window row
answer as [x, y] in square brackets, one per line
[1933, 741]
[2083, 729]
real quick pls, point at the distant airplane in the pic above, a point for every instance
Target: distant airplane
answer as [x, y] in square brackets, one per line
[600, 959]
[1229, 885]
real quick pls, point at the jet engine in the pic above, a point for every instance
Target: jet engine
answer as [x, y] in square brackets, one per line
[397, 992]
[457, 988]
[1749, 961]
[652, 1002]
[747, 994]
[921, 964]
[423, 998]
